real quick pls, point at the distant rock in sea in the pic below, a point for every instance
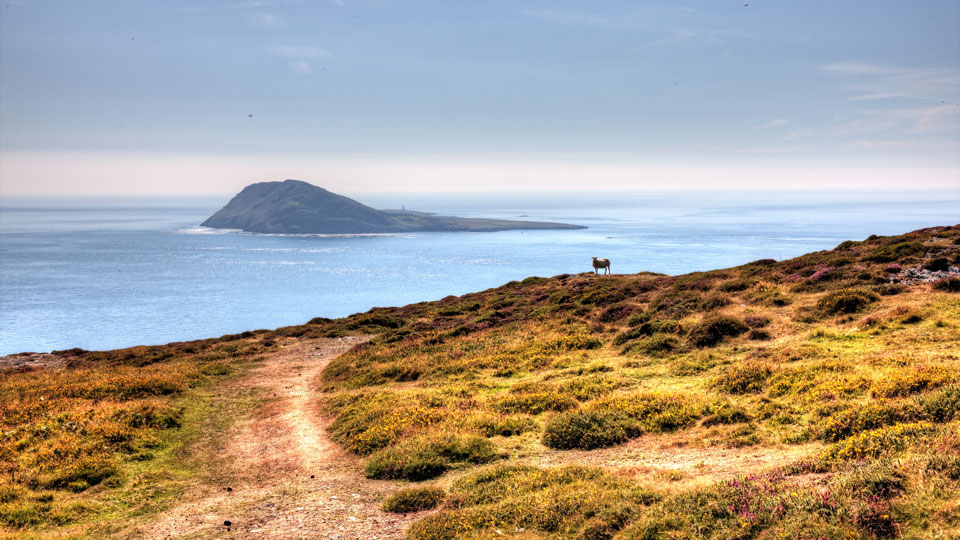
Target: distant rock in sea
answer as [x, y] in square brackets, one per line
[296, 207]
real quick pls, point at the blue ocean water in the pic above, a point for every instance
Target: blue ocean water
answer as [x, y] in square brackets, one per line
[101, 274]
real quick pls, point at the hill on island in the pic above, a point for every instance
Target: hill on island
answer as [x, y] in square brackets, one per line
[811, 398]
[296, 207]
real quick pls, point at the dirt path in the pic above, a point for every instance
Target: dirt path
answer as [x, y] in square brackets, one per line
[286, 479]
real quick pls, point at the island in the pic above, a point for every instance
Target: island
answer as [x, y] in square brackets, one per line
[297, 207]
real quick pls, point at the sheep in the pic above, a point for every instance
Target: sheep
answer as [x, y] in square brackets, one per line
[601, 263]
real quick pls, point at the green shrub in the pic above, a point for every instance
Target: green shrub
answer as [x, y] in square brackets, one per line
[414, 499]
[714, 301]
[735, 285]
[589, 429]
[846, 301]
[676, 304]
[657, 344]
[742, 378]
[712, 330]
[896, 251]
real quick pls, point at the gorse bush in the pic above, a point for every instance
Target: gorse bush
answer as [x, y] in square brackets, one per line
[906, 381]
[848, 422]
[874, 442]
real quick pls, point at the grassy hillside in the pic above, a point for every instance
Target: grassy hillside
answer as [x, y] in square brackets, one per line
[804, 399]
[848, 380]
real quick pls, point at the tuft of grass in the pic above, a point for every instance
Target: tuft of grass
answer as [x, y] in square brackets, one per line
[742, 378]
[425, 457]
[414, 499]
[587, 430]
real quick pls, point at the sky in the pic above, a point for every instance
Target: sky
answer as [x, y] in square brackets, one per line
[207, 96]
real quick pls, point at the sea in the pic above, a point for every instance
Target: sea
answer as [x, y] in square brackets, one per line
[103, 273]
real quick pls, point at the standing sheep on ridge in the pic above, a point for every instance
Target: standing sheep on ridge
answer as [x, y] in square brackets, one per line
[601, 263]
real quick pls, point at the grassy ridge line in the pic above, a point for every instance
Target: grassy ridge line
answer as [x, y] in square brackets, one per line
[852, 353]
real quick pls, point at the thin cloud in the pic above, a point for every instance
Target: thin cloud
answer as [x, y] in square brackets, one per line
[298, 55]
[773, 123]
[644, 14]
[260, 19]
[300, 66]
[913, 144]
[799, 134]
[876, 81]
[572, 17]
[236, 6]
[918, 120]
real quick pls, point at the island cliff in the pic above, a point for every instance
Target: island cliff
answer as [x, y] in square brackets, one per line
[296, 207]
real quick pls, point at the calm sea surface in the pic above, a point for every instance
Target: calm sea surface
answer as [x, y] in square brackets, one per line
[103, 274]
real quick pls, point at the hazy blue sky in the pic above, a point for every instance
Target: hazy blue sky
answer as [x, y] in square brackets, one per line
[209, 95]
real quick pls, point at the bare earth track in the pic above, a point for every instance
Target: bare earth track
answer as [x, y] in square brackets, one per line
[286, 478]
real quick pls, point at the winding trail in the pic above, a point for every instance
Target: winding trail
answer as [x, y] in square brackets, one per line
[287, 479]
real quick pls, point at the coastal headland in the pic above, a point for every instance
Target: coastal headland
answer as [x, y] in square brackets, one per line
[296, 207]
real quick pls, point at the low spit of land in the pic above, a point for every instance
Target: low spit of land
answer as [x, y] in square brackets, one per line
[812, 398]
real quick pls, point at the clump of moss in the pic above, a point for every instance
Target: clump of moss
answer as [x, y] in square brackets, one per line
[713, 330]
[414, 499]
